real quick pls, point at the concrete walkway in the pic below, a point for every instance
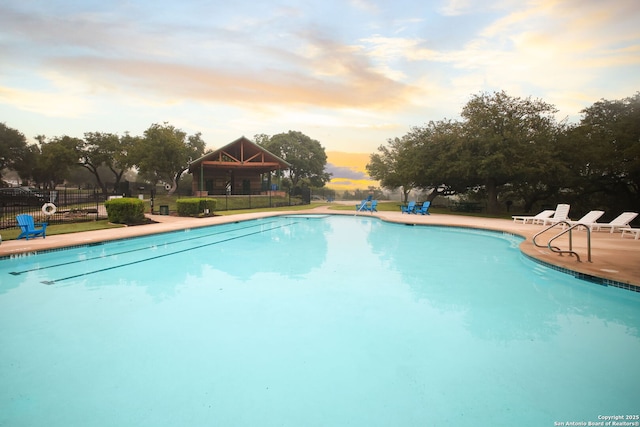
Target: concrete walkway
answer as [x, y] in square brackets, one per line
[614, 258]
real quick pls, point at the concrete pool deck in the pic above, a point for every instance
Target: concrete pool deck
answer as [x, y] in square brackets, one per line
[614, 258]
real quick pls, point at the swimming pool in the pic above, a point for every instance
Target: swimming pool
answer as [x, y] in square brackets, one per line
[314, 321]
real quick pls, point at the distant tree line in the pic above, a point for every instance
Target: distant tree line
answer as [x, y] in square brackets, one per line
[508, 150]
[161, 155]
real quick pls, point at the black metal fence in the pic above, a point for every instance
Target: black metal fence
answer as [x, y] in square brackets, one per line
[227, 202]
[52, 207]
[65, 206]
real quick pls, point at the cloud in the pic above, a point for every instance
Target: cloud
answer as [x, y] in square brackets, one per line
[346, 184]
[349, 170]
[48, 103]
[365, 5]
[455, 7]
[550, 47]
[546, 48]
[390, 48]
[343, 183]
[345, 172]
[246, 68]
[253, 61]
[247, 87]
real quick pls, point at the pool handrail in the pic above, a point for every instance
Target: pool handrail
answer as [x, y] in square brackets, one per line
[570, 251]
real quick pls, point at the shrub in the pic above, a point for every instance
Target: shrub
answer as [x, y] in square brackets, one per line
[195, 206]
[125, 211]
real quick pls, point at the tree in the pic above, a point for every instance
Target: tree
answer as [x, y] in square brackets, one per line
[606, 152]
[436, 148]
[13, 147]
[164, 153]
[395, 165]
[27, 168]
[546, 174]
[420, 159]
[502, 137]
[109, 150]
[16, 154]
[305, 155]
[56, 158]
[261, 139]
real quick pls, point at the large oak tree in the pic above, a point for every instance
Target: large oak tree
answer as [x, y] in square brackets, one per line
[107, 150]
[503, 140]
[164, 152]
[396, 165]
[305, 155]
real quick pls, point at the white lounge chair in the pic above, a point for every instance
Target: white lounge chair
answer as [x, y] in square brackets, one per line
[589, 220]
[622, 221]
[534, 219]
[561, 214]
[632, 231]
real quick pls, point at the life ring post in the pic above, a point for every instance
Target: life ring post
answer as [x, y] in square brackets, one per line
[49, 209]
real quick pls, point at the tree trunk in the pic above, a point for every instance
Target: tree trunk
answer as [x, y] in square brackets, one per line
[174, 187]
[434, 193]
[174, 182]
[528, 204]
[118, 178]
[492, 197]
[94, 170]
[405, 195]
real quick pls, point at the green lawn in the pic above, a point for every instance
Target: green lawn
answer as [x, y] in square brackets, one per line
[12, 233]
[395, 207]
[382, 206]
[224, 203]
[278, 209]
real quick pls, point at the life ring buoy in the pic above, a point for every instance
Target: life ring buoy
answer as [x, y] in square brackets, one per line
[49, 209]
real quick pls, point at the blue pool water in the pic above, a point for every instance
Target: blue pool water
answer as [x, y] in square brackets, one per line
[311, 321]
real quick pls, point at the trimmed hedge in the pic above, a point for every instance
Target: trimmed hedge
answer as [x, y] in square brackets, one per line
[195, 206]
[126, 210]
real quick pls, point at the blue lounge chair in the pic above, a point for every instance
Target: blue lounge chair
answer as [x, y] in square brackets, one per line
[424, 210]
[373, 207]
[362, 206]
[409, 209]
[29, 227]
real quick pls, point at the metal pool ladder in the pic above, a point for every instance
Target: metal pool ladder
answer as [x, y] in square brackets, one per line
[569, 230]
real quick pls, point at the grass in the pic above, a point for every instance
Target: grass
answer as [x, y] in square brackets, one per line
[278, 209]
[382, 206]
[234, 203]
[76, 227]
[11, 234]
[395, 207]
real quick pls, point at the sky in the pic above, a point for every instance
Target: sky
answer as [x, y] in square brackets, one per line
[351, 74]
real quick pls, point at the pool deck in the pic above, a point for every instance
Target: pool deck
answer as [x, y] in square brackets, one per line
[614, 258]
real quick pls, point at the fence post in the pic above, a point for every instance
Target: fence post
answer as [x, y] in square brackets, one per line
[95, 196]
